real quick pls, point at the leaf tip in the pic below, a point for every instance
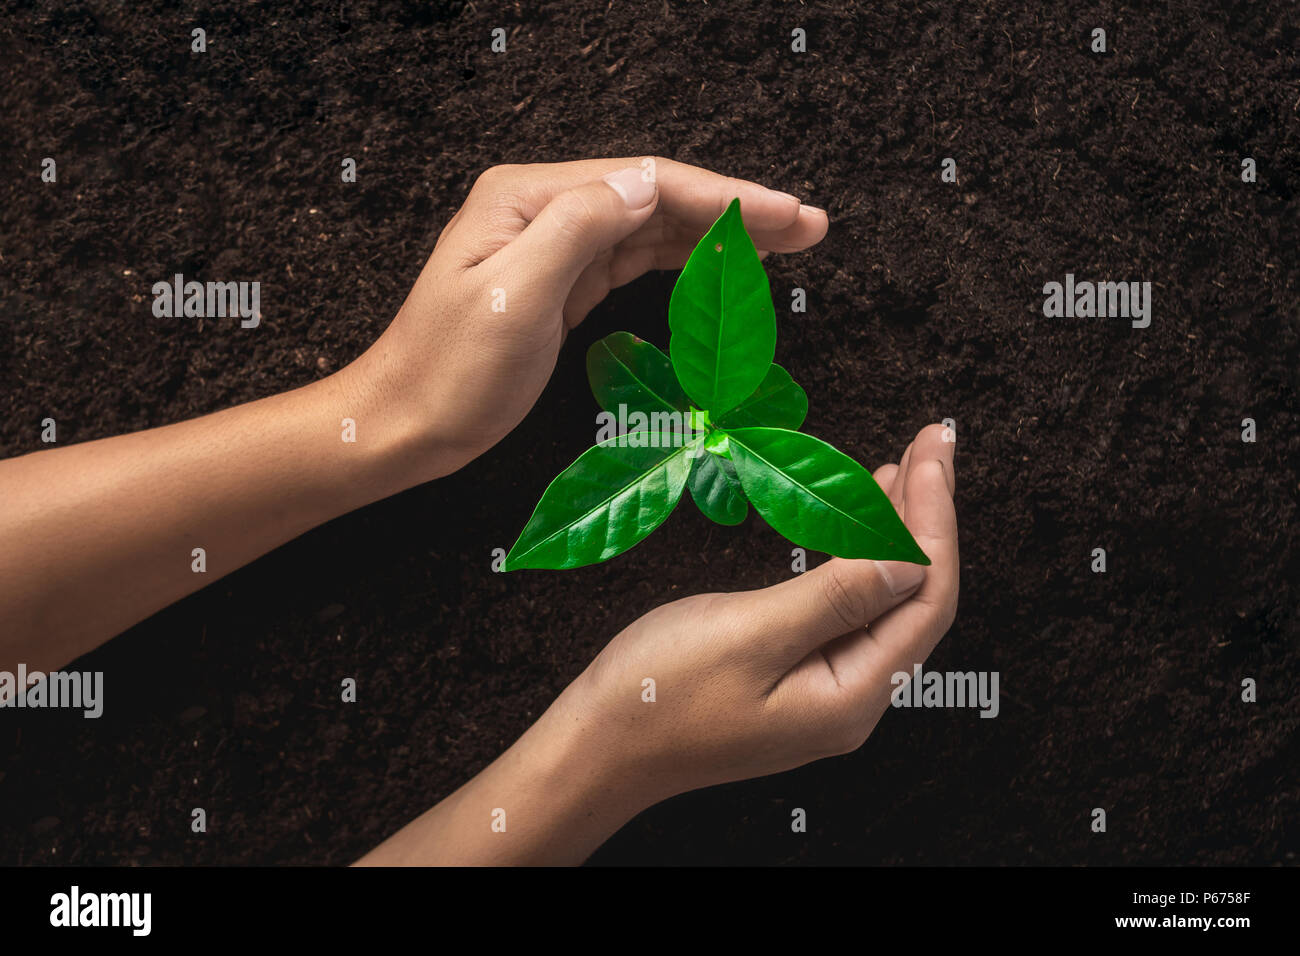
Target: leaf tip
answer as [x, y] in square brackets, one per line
[912, 552]
[511, 560]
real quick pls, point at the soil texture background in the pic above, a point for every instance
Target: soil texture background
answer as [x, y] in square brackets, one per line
[1119, 690]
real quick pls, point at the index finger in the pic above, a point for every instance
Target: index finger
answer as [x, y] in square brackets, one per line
[690, 199]
[907, 634]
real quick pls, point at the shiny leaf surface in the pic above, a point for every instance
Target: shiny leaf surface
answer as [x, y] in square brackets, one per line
[722, 319]
[717, 491]
[778, 402]
[626, 370]
[605, 502]
[819, 497]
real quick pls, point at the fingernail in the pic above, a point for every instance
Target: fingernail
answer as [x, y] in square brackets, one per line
[900, 576]
[814, 208]
[634, 188]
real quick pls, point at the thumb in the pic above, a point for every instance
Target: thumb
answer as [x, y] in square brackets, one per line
[579, 224]
[800, 615]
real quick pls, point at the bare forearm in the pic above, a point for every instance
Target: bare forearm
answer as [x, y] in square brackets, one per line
[547, 801]
[95, 537]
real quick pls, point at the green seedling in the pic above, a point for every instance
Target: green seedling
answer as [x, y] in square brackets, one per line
[719, 417]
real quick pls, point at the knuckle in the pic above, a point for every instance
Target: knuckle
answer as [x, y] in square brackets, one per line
[492, 178]
[726, 194]
[575, 212]
[693, 606]
[714, 610]
[846, 601]
[943, 611]
[699, 611]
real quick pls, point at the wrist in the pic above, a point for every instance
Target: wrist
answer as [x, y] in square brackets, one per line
[577, 796]
[400, 441]
[586, 744]
[542, 802]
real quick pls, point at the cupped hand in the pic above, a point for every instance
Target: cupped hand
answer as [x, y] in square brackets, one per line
[757, 682]
[531, 252]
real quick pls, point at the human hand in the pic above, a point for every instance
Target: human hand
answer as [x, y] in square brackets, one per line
[531, 252]
[757, 682]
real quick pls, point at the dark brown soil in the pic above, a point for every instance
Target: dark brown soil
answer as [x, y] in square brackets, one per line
[1119, 690]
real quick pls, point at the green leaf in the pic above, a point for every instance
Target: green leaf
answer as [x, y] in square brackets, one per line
[716, 442]
[626, 370]
[819, 497]
[605, 502]
[717, 491]
[777, 402]
[722, 319]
